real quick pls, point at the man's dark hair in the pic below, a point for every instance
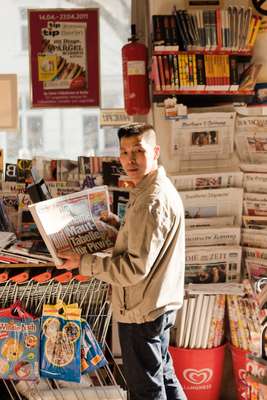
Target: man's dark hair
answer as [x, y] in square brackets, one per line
[134, 130]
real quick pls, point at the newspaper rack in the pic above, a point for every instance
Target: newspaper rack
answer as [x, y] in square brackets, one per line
[93, 296]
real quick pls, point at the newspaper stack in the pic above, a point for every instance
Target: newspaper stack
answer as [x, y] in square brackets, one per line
[213, 212]
[254, 238]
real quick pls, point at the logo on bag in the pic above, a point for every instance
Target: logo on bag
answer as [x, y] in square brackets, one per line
[198, 377]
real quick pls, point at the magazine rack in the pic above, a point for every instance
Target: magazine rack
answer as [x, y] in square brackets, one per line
[93, 298]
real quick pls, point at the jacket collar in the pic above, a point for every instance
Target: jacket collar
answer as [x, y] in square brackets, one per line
[147, 181]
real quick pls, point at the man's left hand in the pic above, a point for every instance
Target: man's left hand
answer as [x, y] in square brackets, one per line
[70, 260]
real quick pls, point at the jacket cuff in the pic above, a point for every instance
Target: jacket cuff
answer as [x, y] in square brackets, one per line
[86, 265]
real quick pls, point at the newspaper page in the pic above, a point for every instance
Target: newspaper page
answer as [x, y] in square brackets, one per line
[73, 222]
[251, 139]
[254, 238]
[203, 136]
[214, 265]
[213, 236]
[207, 180]
[213, 203]
[255, 182]
[191, 223]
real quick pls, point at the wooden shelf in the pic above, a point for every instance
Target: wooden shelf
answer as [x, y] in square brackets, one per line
[205, 98]
[241, 53]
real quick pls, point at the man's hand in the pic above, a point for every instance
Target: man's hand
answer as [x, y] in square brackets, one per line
[111, 219]
[70, 260]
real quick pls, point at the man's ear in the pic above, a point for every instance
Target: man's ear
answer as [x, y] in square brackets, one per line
[156, 152]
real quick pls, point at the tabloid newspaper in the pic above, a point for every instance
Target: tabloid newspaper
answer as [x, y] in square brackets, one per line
[73, 222]
[214, 265]
[251, 139]
[203, 136]
[213, 203]
[213, 236]
[207, 180]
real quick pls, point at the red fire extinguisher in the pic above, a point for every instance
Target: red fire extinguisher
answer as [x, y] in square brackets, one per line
[135, 76]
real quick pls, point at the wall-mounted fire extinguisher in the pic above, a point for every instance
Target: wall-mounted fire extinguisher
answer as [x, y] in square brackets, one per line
[135, 76]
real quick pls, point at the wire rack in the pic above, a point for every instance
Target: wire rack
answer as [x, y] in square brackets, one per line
[93, 297]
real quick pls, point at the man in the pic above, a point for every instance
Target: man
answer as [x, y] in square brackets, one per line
[146, 268]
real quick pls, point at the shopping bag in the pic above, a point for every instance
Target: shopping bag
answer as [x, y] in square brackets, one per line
[92, 356]
[61, 342]
[19, 344]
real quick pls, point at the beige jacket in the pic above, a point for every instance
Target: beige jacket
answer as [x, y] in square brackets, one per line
[146, 269]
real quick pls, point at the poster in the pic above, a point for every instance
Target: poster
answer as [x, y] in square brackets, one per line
[8, 102]
[64, 57]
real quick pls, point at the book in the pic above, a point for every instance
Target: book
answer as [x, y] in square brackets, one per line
[120, 200]
[72, 222]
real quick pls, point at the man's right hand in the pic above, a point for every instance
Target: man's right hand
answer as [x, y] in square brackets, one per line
[111, 219]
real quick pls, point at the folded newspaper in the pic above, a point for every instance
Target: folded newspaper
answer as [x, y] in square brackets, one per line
[72, 222]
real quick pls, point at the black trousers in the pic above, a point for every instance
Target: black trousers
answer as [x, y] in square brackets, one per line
[147, 363]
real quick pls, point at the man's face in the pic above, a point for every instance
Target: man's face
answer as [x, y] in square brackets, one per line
[138, 157]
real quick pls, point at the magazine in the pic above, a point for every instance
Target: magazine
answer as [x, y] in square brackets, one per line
[73, 222]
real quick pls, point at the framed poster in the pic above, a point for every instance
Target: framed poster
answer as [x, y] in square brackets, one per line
[64, 57]
[8, 102]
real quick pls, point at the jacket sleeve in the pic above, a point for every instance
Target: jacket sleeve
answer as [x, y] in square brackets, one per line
[148, 229]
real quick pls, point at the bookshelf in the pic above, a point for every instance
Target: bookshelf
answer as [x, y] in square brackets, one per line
[204, 56]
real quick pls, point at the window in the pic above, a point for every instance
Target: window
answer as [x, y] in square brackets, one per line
[58, 132]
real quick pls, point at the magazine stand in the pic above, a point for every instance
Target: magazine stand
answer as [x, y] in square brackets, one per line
[199, 371]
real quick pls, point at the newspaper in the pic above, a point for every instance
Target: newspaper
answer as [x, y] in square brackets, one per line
[253, 167]
[236, 289]
[203, 136]
[254, 222]
[214, 265]
[255, 252]
[73, 222]
[257, 269]
[207, 180]
[213, 236]
[255, 182]
[213, 203]
[251, 139]
[191, 223]
[254, 238]
[256, 206]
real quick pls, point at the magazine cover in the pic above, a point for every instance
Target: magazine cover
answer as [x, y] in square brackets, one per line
[73, 222]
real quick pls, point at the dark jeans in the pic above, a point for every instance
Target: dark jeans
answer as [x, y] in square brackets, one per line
[147, 363]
